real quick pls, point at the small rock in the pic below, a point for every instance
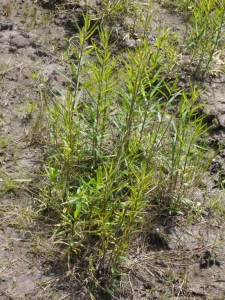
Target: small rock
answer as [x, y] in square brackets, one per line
[19, 41]
[6, 26]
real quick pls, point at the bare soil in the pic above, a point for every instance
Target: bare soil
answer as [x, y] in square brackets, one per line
[183, 257]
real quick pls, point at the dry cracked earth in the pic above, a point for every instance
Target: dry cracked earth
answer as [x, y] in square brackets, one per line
[181, 260]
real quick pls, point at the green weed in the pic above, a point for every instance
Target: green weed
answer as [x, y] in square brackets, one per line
[120, 136]
[207, 21]
[11, 184]
[184, 5]
[125, 142]
[116, 8]
[7, 8]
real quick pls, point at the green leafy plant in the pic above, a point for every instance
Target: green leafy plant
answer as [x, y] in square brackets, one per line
[123, 140]
[204, 21]
[117, 7]
[208, 20]
[179, 5]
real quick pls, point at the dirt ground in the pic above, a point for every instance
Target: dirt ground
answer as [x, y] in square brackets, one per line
[181, 260]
